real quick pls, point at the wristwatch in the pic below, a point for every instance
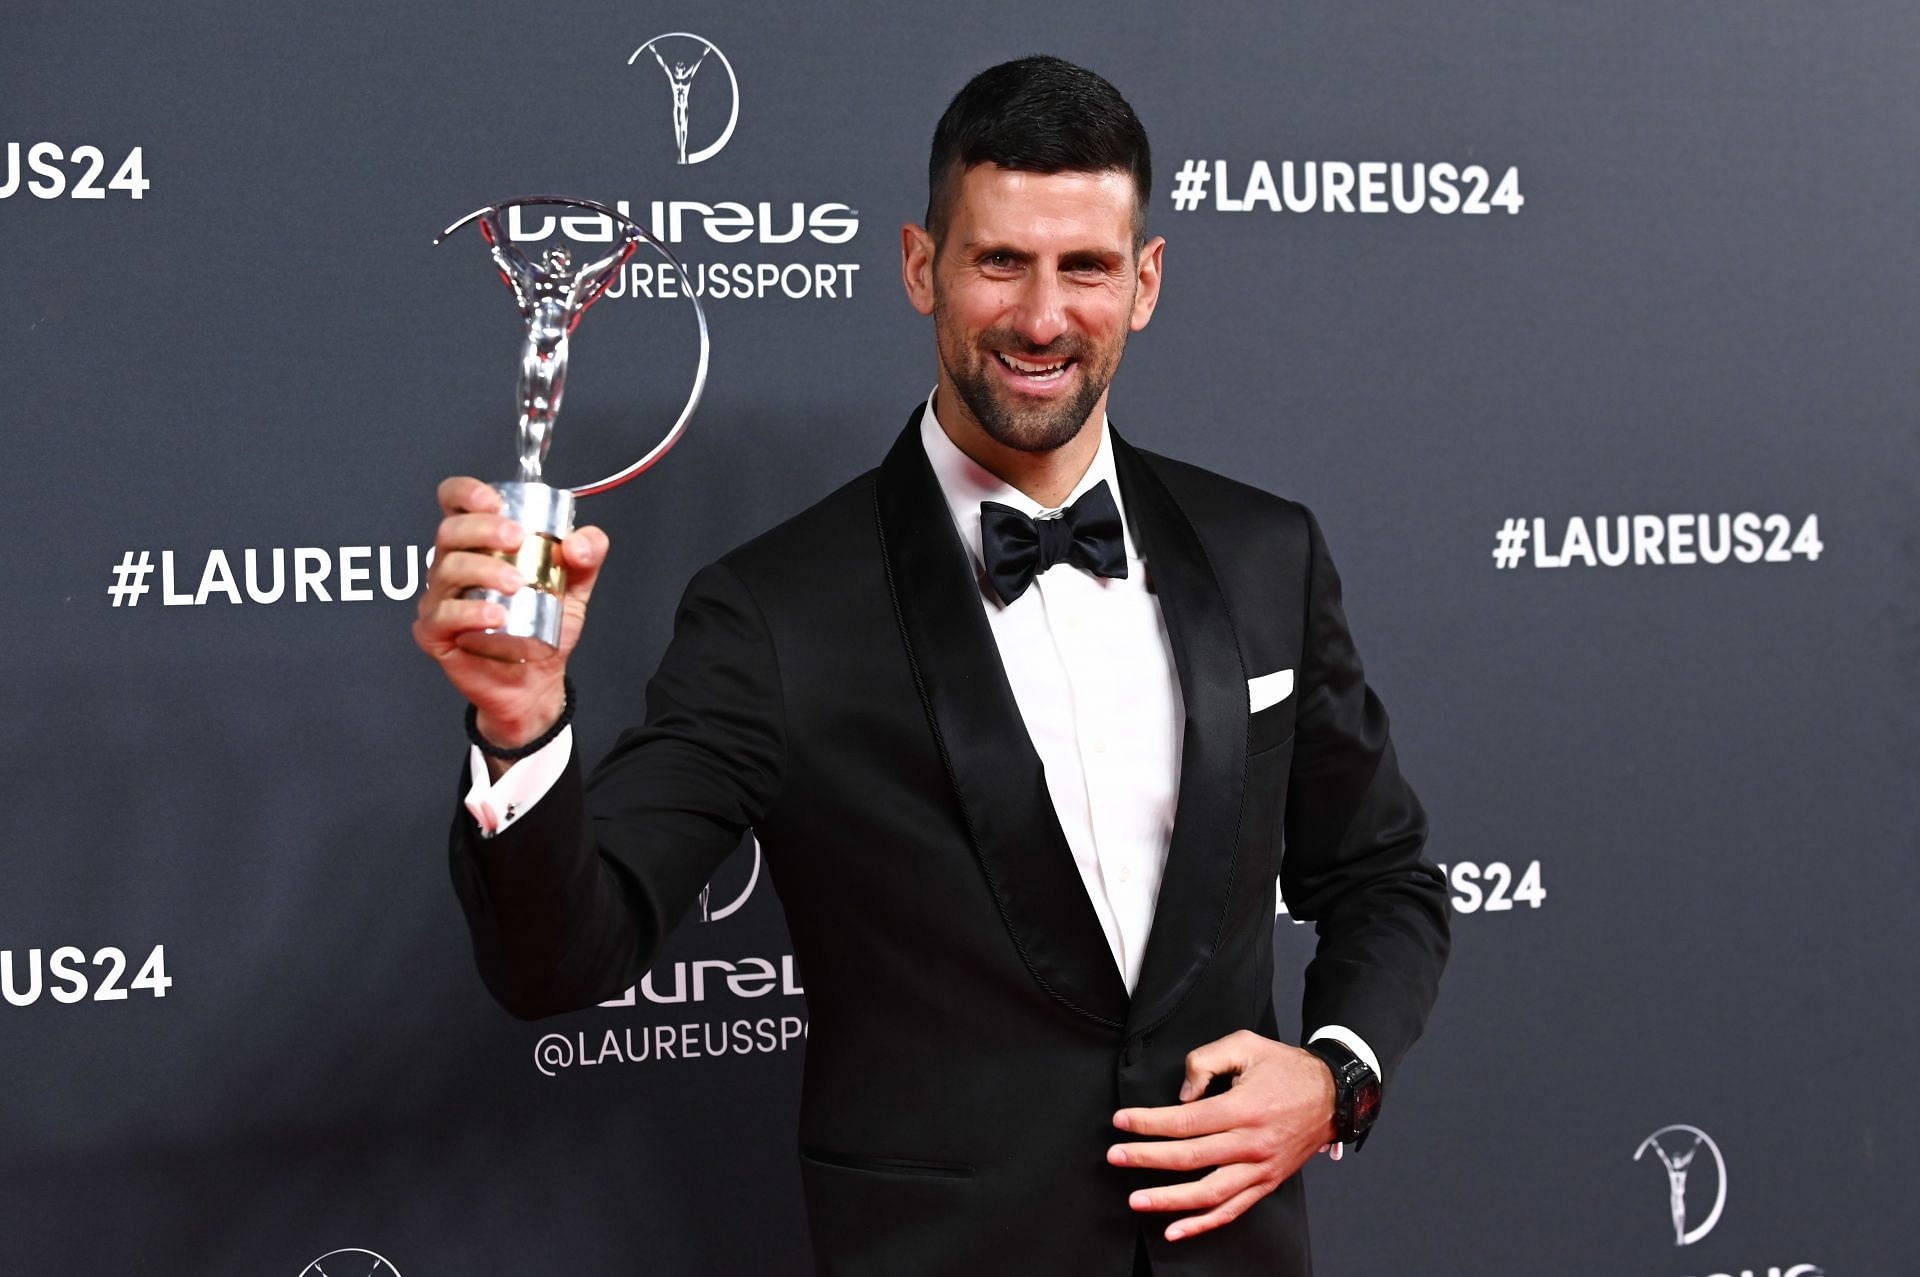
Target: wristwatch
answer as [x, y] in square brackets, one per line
[1356, 1091]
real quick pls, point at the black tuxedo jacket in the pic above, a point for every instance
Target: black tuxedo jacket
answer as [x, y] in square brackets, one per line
[834, 684]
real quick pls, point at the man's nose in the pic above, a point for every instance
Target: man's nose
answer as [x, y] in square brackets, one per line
[1041, 315]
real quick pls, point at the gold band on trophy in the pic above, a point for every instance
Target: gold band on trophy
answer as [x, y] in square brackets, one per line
[538, 559]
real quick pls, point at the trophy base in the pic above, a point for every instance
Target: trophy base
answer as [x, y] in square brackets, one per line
[535, 610]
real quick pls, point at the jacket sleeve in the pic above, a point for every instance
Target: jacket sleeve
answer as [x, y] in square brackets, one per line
[568, 905]
[1355, 836]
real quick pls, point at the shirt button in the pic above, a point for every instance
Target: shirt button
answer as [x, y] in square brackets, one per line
[1099, 744]
[1125, 874]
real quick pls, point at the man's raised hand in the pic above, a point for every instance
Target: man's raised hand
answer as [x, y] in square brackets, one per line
[515, 684]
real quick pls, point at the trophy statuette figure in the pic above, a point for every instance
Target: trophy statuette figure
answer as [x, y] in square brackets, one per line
[553, 295]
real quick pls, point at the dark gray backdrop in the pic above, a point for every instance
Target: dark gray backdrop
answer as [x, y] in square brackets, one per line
[1705, 305]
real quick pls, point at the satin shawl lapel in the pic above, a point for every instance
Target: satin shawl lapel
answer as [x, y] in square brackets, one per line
[984, 743]
[1213, 757]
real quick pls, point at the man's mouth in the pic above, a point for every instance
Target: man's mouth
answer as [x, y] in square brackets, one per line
[1039, 372]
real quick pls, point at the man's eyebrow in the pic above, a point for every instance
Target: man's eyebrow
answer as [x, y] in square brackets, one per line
[991, 248]
[1104, 257]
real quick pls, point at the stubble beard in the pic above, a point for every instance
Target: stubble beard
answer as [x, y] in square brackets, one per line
[1039, 427]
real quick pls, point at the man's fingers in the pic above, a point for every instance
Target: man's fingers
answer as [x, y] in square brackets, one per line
[454, 574]
[1183, 1121]
[463, 568]
[1250, 1133]
[464, 494]
[1201, 1194]
[583, 553]
[477, 532]
[465, 548]
[1231, 1054]
[458, 568]
[584, 549]
[1189, 1154]
[1225, 1213]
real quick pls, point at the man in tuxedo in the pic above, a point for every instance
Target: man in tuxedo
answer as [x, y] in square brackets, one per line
[1028, 721]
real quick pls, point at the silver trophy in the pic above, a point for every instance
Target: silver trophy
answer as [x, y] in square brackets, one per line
[553, 295]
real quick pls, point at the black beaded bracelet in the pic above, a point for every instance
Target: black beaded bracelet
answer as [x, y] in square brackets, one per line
[545, 739]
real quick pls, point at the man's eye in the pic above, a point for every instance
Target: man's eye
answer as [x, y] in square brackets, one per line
[1000, 261]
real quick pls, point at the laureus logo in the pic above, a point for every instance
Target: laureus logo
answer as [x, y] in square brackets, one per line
[1678, 1148]
[680, 56]
[351, 1262]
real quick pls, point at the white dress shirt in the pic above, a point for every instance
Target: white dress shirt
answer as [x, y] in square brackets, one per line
[1092, 671]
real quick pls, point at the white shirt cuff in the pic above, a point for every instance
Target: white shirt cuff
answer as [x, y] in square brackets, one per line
[1344, 1036]
[495, 804]
[1358, 1045]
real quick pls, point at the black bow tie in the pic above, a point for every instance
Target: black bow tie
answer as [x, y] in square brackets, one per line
[1017, 548]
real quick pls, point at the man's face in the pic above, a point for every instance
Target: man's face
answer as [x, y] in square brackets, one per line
[1033, 289]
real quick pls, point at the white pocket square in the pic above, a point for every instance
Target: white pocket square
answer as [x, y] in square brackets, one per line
[1269, 689]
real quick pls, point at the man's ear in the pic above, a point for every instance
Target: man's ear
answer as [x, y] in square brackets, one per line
[916, 266]
[1147, 295]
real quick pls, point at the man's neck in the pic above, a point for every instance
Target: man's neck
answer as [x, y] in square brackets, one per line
[1045, 477]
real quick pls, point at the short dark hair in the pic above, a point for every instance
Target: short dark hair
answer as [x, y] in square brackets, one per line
[1041, 115]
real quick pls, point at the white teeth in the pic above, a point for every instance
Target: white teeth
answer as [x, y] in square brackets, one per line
[1032, 370]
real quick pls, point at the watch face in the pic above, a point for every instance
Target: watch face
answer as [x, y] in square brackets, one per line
[1366, 1104]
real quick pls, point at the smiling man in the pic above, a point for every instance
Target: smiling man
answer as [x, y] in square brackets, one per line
[1028, 722]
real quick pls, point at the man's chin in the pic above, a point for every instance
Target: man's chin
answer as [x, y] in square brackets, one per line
[1031, 432]
[1029, 427]
[1041, 441]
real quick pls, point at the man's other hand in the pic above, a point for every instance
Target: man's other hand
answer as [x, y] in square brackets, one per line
[515, 684]
[1277, 1114]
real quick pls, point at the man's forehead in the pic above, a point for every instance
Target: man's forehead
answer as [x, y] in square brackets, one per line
[994, 202]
